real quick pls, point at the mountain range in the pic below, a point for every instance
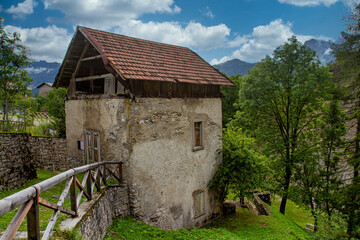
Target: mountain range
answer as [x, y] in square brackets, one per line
[42, 71]
[236, 66]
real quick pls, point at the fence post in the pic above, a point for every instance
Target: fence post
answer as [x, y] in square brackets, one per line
[73, 195]
[104, 173]
[120, 172]
[88, 184]
[32, 218]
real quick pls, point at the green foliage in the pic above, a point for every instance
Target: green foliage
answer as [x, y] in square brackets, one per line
[279, 105]
[331, 228]
[242, 166]
[14, 79]
[55, 104]
[231, 94]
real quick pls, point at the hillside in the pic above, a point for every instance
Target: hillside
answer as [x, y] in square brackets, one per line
[234, 67]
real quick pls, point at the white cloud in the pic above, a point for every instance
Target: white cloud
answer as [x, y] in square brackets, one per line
[238, 41]
[208, 13]
[193, 35]
[262, 41]
[48, 43]
[106, 14]
[33, 70]
[22, 9]
[311, 3]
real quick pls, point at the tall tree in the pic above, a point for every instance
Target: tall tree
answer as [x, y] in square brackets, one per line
[280, 102]
[347, 73]
[13, 58]
[231, 94]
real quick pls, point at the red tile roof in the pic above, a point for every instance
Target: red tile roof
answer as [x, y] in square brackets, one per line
[146, 60]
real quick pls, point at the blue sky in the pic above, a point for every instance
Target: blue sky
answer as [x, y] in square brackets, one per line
[216, 30]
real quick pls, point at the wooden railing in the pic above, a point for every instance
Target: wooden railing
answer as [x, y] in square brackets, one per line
[29, 199]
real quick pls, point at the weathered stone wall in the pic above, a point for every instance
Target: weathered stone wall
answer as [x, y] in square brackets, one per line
[21, 154]
[50, 154]
[154, 139]
[16, 162]
[113, 203]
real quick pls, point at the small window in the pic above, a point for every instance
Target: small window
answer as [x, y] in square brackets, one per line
[198, 135]
[199, 203]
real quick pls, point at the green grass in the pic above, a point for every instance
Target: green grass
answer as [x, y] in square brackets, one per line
[294, 212]
[242, 225]
[44, 213]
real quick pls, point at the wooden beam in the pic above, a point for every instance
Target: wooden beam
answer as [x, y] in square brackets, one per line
[53, 206]
[92, 77]
[90, 58]
[81, 57]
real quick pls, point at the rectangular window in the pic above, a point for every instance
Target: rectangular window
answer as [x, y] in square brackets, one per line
[198, 135]
[199, 203]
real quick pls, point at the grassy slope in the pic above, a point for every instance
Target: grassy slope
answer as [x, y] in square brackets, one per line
[243, 225]
[295, 213]
[44, 213]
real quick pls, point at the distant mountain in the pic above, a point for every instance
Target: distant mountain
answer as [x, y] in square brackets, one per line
[41, 72]
[322, 48]
[234, 67]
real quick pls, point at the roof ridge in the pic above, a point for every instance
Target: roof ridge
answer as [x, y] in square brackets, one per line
[136, 38]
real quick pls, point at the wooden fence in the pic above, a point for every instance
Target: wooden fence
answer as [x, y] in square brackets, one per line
[29, 199]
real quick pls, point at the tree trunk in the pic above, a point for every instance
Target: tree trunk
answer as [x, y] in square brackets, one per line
[286, 189]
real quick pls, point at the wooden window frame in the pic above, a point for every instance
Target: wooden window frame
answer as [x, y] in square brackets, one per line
[92, 146]
[199, 198]
[201, 146]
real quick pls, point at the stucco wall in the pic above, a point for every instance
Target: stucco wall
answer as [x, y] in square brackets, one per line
[154, 139]
[163, 168]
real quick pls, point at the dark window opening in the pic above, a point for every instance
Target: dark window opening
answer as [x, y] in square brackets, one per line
[93, 86]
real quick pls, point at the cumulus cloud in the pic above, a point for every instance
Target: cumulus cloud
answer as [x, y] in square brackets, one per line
[311, 3]
[106, 14]
[262, 41]
[48, 43]
[22, 9]
[193, 35]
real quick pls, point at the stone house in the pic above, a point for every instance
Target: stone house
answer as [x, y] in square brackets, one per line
[157, 108]
[44, 88]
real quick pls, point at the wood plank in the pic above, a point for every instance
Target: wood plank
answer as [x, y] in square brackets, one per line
[16, 221]
[51, 225]
[53, 206]
[81, 57]
[92, 77]
[113, 174]
[91, 58]
[82, 189]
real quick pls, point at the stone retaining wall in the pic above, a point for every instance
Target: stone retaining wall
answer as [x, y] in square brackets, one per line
[16, 162]
[50, 153]
[113, 203]
[21, 154]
